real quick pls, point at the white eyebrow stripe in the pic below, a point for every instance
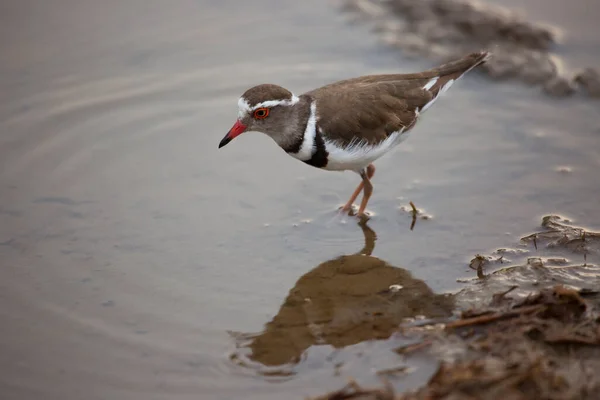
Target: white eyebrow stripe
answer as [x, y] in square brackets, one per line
[245, 107]
[273, 103]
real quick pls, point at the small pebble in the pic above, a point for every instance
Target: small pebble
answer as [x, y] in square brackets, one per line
[563, 169]
[395, 288]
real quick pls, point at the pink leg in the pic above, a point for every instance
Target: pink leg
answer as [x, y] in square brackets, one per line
[370, 171]
[350, 202]
[367, 191]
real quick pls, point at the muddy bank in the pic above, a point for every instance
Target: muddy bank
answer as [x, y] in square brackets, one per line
[546, 346]
[558, 253]
[446, 29]
[524, 331]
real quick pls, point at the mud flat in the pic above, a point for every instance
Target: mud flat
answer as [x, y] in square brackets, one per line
[445, 29]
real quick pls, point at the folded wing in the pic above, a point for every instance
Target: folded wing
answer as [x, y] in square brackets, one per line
[375, 106]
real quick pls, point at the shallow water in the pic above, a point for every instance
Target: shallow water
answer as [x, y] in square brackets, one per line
[135, 254]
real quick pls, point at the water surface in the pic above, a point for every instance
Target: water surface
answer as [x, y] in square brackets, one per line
[133, 251]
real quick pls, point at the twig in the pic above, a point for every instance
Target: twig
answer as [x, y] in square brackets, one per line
[402, 369]
[414, 213]
[414, 209]
[411, 348]
[571, 339]
[486, 319]
[498, 297]
[354, 391]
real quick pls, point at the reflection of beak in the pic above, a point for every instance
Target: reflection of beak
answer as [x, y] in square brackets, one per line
[237, 129]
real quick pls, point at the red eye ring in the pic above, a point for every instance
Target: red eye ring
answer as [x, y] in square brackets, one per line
[261, 113]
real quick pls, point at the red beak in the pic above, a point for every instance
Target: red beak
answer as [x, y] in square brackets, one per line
[237, 129]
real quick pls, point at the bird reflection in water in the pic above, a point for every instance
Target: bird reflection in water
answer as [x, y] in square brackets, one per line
[341, 302]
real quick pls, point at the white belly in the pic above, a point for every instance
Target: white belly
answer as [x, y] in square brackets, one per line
[358, 156]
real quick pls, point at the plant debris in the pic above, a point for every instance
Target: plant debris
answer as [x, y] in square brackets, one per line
[560, 233]
[414, 213]
[546, 346]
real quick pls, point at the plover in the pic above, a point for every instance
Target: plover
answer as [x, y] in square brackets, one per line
[348, 124]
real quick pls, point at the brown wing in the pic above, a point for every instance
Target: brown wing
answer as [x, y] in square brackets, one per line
[369, 110]
[374, 106]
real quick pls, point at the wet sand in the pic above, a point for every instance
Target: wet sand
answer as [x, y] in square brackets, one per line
[131, 248]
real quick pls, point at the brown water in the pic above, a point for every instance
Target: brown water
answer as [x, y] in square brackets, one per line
[135, 255]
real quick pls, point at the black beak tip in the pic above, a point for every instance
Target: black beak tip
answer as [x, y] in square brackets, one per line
[224, 142]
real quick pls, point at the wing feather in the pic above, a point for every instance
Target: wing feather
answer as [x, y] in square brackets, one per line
[375, 106]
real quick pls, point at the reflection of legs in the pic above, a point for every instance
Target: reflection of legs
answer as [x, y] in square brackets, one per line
[370, 237]
[370, 171]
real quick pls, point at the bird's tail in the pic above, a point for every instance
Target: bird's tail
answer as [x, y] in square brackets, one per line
[442, 77]
[462, 65]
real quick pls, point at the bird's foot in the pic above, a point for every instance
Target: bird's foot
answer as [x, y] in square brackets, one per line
[363, 217]
[353, 211]
[347, 209]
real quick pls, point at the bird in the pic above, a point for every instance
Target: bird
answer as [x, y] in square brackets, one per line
[348, 124]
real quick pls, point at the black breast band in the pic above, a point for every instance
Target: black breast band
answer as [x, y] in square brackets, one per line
[319, 157]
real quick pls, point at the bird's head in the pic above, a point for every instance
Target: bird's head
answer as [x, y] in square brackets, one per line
[264, 108]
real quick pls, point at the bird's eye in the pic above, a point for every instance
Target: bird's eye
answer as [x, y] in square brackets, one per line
[261, 113]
